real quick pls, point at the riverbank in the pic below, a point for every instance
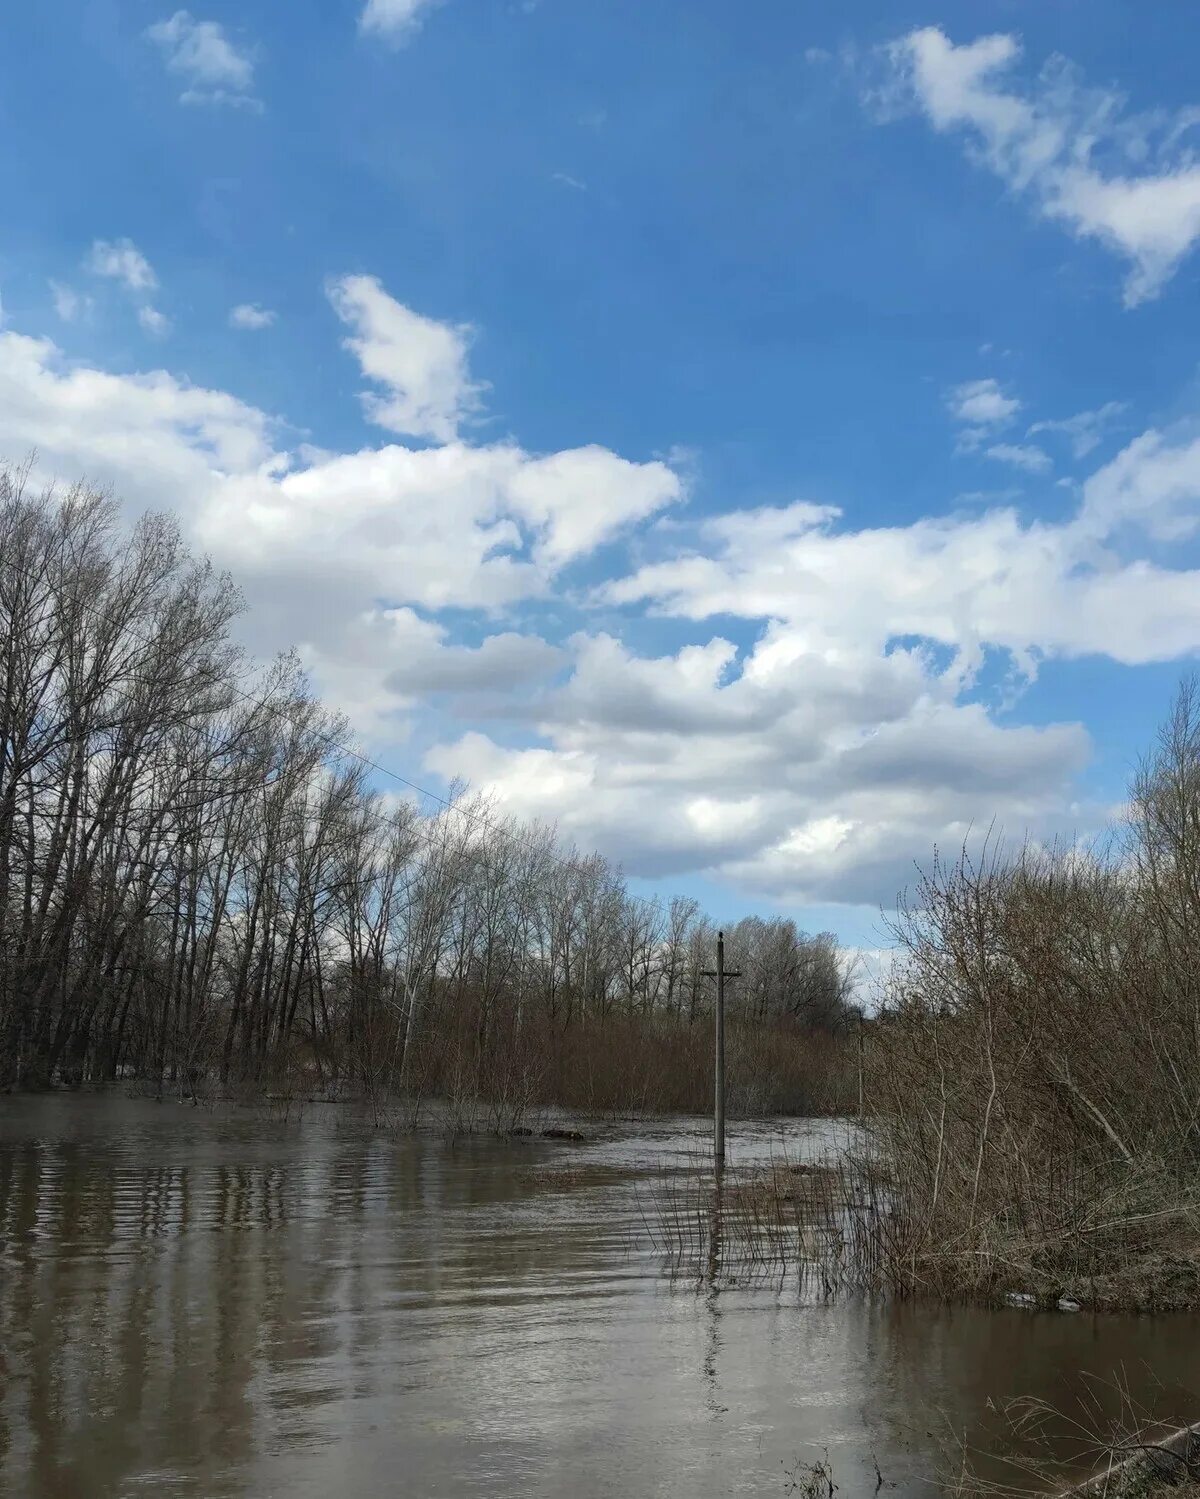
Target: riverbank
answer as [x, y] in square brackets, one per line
[834, 1222]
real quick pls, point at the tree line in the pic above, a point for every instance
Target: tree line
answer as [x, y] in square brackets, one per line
[199, 885]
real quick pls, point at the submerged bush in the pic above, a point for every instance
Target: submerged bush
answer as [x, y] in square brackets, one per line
[1034, 1078]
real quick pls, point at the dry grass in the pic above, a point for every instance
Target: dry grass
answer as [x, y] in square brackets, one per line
[1109, 1444]
[809, 1221]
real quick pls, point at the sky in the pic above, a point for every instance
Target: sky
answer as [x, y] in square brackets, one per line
[763, 440]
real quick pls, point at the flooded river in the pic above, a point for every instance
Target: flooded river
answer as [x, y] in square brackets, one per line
[227, 1303]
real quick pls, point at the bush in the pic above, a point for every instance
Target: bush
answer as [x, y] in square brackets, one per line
[1034, 1079]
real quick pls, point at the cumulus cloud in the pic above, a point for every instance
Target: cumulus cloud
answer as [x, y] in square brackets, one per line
[811, 787]
[152, 435]
[212, 68]
[982, 403]
[983, 409]
[432, 662]
[963, 582]
[420, 363]
[584, 496]
[818, 718]
[1026, 456]
[154, 322]
[844, 742]
[377, 665]
[69, 304]
[250, 317]
[121, 260]
[1151, 486]
[394, 19]
[446, 527]
[318, 534]
[1082, 159]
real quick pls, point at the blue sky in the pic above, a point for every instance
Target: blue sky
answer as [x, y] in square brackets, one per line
[762, 439]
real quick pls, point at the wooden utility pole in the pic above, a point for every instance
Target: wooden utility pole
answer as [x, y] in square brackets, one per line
[720, 974]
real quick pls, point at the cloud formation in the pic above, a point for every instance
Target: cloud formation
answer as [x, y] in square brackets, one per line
[325, 542]
[420, 363]
[250, 317]
[396, 20]
[214, 71]
[1086, 429]
[1125, 180]
[1026, 456]
[778, 696]
[121, 260]
[982, 403]
[69, 305]
[154, 322]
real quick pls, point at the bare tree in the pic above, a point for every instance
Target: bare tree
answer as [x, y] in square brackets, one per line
[199, 886]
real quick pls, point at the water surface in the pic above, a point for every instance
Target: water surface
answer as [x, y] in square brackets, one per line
[226, 1303]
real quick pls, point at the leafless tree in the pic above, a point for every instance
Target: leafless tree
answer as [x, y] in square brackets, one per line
[200, 887]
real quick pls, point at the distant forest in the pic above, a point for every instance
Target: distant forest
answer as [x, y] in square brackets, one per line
[200, 889]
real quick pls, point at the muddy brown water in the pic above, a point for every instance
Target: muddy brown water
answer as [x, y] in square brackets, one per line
[226, 1303]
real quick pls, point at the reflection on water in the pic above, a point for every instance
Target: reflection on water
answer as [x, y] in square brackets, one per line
[202, 1303]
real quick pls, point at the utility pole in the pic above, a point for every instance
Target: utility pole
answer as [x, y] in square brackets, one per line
[720, 974]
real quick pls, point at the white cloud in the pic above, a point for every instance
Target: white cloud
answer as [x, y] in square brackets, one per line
[394, 19]
[68, 303]
[121, 260]
[421, 363]
[437, 527]
[982, 403]
[440, 527]
[377, 665]
[817, 721]
[213, 69]
[1123, 180]
[815, 781]
[1086, 429]
[250, 316]
[153, 321]
[817, 765]
[431, 662]
[150, 435]
[962, 582]
[582, 497]
[1025, 456]
[1152, 485]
